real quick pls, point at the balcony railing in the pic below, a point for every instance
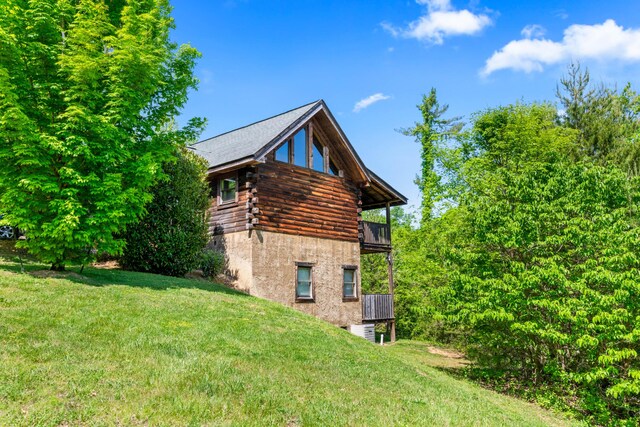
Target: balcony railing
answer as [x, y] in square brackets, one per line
[375, 236]
[377, 307]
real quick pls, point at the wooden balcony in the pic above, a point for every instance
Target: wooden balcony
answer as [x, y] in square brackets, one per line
[378, 307]
[374, 237]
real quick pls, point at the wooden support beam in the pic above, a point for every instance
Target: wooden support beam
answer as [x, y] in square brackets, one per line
[390, 271]
[310, 145]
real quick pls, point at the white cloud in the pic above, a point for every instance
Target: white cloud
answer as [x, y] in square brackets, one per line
[440, 21]
[533, 31]
[606, 41]
[368, 101]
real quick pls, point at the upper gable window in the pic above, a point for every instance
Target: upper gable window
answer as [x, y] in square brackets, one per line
[306, 150]
[318, 157]
[282, 153]
[333, 169]
[300, 148]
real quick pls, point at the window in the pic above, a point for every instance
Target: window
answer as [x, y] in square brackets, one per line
[318, 158]
[228, 188]
[282, 153]
[307, 151]
[333, 169]
[349, 283]
[304, 285]
[300, 148]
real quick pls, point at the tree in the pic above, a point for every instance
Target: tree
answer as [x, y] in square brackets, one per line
[544, 279]
[431, 133]
[171, 235]
[606, 120]
[86, 89]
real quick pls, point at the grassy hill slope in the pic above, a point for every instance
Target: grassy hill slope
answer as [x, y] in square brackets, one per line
[120, 348]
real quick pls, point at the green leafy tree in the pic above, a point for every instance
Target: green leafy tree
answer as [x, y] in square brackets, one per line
[86, 90]
[543, 262]
[171, 236]
[431, 134]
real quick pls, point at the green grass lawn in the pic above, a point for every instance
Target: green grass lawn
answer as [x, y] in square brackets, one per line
[119, 348]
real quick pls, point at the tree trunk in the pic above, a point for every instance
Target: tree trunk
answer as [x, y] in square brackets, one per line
[57, 266]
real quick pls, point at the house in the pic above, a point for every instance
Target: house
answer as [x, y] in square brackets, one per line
[289, 191]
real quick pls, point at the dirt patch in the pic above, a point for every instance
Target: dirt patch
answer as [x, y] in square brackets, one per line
[452, 354]
[107, 265]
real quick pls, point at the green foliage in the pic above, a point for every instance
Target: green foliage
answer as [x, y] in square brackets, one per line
[211, 262]
[170, 237]
[607, 120]
[86, 91]
[431, 133]
[535, 266]
[547, 287]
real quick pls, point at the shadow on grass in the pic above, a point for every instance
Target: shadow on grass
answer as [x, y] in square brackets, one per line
[99, 277]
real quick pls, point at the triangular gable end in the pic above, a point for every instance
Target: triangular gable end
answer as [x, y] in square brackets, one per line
[325, 124]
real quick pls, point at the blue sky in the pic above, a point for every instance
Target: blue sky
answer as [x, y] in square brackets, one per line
[371, 61]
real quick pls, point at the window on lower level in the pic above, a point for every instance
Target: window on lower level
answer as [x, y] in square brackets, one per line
[349, 283]
[304, 283]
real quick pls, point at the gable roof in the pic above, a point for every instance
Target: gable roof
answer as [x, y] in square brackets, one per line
[244, 143]
[249, 144]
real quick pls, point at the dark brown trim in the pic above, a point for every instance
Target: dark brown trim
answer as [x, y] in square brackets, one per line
[228, 203]
[299, 299]
[355, 284]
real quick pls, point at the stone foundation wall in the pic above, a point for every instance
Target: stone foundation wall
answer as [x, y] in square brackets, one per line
[264, 263]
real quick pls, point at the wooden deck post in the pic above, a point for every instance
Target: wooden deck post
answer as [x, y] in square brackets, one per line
[390, 272]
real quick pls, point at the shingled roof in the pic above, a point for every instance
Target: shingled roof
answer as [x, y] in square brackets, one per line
[243, 143]
[249, 144]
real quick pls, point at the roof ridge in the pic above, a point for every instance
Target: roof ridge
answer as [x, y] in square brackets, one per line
[259, 121]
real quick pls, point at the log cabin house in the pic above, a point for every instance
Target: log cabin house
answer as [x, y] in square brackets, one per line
[288, 196]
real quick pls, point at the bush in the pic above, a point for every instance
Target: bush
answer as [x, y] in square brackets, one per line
[211, 262]
[549, 293]
[169, 239]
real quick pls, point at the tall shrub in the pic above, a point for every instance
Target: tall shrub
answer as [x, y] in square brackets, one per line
[170, 237]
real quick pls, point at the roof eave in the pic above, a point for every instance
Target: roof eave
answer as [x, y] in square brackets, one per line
[231, 166]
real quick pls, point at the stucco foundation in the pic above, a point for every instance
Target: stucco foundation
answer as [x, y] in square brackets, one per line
[264, 265]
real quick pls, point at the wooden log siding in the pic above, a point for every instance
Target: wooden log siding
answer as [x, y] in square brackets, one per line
[377, 307]
[296, 200]
[229, 217]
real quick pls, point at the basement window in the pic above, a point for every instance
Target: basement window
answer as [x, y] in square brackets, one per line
[304, 283]
[349, 284]
[227, 189]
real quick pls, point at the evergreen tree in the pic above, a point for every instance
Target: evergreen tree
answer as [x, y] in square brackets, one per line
[430, 134]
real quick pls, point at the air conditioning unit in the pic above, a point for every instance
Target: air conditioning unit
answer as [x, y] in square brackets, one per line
[366, 331]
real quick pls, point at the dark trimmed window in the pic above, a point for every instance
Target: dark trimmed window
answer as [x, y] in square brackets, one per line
[349, 284]
[304, 282]
[227, 189]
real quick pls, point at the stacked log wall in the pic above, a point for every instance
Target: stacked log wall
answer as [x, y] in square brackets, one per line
[229, 217]
[301, 201]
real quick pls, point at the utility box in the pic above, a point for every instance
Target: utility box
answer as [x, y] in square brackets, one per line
[366, 331]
